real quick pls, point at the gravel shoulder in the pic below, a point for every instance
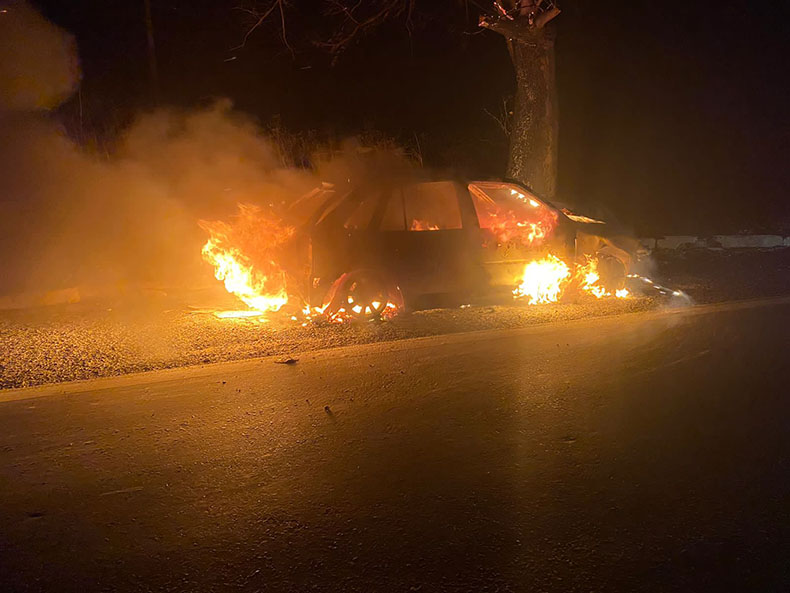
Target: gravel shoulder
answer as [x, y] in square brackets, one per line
[77, 344]
[89, 340]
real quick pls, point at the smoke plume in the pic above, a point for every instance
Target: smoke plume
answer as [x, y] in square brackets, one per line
[70, 217]
[39, 67]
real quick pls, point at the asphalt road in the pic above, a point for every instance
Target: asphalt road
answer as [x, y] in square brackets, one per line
[645, 452]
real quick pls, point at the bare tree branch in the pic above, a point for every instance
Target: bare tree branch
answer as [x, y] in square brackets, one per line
[282, 24]
[261, 18]
[524, 21]
[514, 19]
[502, 119]
[544, 17]
[355, 25]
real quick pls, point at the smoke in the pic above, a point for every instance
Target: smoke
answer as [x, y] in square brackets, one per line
[70, 217]
[73, 218]
[39, 67]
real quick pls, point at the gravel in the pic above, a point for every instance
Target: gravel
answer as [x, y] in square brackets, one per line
[75, 343]
[718, 275]
[88, 340]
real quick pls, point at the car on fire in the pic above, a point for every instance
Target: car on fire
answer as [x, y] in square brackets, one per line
[374, 251]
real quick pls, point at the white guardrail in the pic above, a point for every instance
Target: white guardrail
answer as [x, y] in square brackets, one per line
[716, 242]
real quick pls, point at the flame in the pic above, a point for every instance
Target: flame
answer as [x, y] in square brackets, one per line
[422, 225]
[543, 280]
[508, 225]
[244, 255]
[589, 279]
[522, 220]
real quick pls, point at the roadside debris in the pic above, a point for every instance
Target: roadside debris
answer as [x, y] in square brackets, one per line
[288, 360]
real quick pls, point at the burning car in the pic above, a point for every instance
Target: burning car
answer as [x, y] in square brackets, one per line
[376, 251]
[368, 253]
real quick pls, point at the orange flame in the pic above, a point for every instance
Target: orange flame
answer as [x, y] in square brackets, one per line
[422, 225]
[543, 281]
[522, 220]
[589, 281]
[244, 255]
[507, 225]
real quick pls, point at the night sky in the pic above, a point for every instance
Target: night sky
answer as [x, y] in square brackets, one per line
[674, 116]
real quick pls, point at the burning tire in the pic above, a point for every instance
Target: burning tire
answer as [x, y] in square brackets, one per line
[365, 295]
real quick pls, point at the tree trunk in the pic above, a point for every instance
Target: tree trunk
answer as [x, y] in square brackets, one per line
[534, 129]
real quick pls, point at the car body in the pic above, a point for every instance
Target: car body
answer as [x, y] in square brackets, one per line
[437, 242]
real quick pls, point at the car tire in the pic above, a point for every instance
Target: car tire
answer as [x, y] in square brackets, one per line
[363, 295]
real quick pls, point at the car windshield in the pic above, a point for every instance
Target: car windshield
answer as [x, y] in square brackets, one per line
[511, 213]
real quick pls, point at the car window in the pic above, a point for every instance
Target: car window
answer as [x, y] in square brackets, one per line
[394, 219]
[491, 198]
[432, 206]
[512, 213]
[362, 215]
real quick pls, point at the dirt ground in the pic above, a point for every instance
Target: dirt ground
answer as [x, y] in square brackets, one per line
[96, 339]
[710, 276]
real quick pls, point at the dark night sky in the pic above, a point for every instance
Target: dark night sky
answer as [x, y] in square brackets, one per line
[674, 116]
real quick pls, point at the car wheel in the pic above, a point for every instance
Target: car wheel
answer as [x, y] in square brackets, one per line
[612, 272]
[364, 295]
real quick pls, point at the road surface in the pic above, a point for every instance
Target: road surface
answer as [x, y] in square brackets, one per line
[645, 452]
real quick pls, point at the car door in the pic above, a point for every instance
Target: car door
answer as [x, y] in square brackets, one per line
[515, 228]
[423, 231]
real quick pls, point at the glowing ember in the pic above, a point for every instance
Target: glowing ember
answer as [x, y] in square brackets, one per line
[543, 281]
[260, 282]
